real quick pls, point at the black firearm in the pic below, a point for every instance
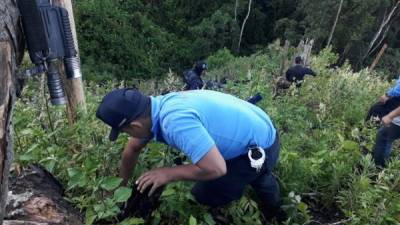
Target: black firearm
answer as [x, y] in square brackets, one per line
[255, 99]
[49, 39]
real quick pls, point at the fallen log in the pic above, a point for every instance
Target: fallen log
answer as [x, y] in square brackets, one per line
[36, 197]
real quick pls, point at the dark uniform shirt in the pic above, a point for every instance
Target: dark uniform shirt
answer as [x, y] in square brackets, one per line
[192, 80]
[296, 73]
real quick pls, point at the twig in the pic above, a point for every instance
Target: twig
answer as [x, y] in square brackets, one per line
[312, 221]
[243, 24]
[311, 194]
[340, 222]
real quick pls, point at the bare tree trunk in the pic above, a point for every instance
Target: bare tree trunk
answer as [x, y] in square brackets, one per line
[236, 7]
[386, 22]
[378, 57]
[383, 36]
[73, 87]
[284, 58]
[334, 24]
[244, 24]
[11, 52]
[304, 50]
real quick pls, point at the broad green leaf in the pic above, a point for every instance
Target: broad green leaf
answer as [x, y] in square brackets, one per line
[73, 171]
[350, 145]
[302, 207]
[122, 194]
[90, 217]
[33, 147]
[192, 220]
[50, 164]
[91, 164]
[27, 157]
[27, 132]
[77, 178]
[208, 219]
[132, 221]
[110, 183]
[168, 192]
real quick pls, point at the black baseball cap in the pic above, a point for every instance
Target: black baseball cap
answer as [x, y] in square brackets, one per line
[200, 66]
[120, 107]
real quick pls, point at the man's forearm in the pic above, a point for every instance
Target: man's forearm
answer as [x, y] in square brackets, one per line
[192, 172]
[127, 166]
[394, 113]
[130, 157]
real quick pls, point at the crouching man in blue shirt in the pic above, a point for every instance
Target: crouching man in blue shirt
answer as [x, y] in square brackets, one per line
[215, 130]
[386, 103]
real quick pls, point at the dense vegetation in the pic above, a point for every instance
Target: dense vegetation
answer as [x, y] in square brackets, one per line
[141, 39]
[325, 165]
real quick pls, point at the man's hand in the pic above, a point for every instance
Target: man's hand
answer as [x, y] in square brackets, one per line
[384, 98]
[154, 178]
[210, 167]
[387, 120]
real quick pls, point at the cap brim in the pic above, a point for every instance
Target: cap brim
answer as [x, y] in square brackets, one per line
[113, 134]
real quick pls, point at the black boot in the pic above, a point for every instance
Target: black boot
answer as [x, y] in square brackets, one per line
[218, 216]
[273, 215]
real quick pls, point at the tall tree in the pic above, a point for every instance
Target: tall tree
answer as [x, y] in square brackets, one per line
[334, 24]
[243, 25]
[384, 27]
[11, 52]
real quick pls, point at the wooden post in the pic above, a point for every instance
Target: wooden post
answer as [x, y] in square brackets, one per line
[11, 52]
[73, 87]
[378, 57]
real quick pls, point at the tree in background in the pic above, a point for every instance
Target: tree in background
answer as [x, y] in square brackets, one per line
[125, 43]
[136, 38]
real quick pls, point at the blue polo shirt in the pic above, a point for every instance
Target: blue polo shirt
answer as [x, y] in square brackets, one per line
[394, 91]
[194, 121]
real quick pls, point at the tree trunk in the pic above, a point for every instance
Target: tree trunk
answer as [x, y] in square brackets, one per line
[284, 60]
[236, 7]
[73, 87]
[304, 51]
[378, 57]
[11, 52]
[243, 25]
[386, 22]
[334, 24]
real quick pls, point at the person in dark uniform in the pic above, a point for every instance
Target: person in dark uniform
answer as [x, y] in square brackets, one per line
[192, 77]
[296, 73]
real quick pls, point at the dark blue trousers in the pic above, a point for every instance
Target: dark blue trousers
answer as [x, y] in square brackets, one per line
[239, 174]
[383, 144]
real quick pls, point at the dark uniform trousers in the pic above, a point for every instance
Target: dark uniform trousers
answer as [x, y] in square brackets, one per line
[230, 187]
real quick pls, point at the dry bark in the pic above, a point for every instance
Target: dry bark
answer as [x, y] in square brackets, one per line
[11, 52]
[36, 196]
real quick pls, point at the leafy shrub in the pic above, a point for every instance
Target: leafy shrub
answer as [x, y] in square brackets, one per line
[324, 159]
